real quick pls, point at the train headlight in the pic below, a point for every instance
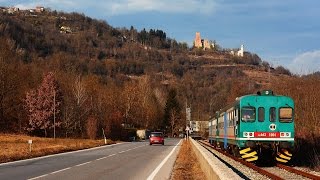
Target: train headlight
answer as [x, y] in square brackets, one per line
[285, 134]
[248, 134]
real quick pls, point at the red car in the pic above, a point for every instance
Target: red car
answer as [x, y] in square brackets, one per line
[156, 138]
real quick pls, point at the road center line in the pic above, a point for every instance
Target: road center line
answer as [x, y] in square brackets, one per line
[38, 177]
[123, 151]
[83, 163]
[153, 174]
[138, 147]
[101, 158]
[130, 149]
[60, 170]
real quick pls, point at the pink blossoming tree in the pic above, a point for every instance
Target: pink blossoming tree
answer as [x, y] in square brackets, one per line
[43, 105]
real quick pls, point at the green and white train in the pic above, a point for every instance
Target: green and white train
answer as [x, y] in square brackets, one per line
[256, 127]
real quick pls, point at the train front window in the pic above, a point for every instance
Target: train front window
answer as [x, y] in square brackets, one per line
[248, 114]
[272, 114]
[285, 114]
[260, 114]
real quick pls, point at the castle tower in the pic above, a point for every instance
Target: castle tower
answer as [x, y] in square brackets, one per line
[197, 41]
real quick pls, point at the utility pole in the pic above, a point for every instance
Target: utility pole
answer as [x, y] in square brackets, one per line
[54, 114]
[274, 65]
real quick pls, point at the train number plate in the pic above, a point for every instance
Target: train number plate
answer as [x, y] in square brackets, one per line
[267, 134]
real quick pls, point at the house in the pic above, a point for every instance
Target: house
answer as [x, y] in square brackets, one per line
[65, 29]
[39, 9]
[198, 126]
[12, 10]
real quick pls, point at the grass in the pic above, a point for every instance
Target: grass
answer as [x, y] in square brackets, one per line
[187, 165]
[16, 147]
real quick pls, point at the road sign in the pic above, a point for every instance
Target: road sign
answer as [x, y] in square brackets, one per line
[30, 143]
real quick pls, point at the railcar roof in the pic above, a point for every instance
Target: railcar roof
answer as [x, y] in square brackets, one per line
[238, 99]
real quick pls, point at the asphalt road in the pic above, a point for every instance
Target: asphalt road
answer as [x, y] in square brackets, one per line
[135, 160]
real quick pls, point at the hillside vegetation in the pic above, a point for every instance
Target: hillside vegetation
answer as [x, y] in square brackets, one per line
[91, 78]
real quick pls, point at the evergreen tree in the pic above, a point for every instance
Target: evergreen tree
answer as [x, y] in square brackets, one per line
[172, 105]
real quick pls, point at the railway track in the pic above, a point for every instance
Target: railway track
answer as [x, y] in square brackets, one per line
[276, 172]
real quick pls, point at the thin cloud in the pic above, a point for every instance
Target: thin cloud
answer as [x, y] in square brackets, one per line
[306, 63]
[120, 7]
[54, 4]
[169, 6]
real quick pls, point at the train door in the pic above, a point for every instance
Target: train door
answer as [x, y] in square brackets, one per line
[236, 123]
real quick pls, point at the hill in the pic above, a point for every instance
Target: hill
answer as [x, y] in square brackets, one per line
[112, 78]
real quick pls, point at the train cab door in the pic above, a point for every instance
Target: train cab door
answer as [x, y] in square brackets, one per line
[236, 122]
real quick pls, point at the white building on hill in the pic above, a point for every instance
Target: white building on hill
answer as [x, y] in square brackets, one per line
[239, 53]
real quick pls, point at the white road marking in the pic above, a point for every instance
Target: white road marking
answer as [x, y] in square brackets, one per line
[139, 146]
[153, 174]
[130, 149]
[60, 170]
[101, 158]
[39, 177]
[121, 152]
[75, 165]
[83, 163]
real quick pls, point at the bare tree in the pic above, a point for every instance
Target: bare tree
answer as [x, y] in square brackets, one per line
[130, 95]
[79, 91]
[173, 121]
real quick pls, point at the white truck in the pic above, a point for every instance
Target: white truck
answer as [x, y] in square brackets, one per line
[143, 134]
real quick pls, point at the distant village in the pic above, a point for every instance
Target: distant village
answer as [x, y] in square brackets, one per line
[12, 10]
[206, 44]
[34, 12]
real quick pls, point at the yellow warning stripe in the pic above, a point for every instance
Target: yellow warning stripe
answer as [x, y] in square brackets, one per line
[249, 155]
[252, 159]
[287, 153]
[283, 156]
[281, 160]
[243, 151]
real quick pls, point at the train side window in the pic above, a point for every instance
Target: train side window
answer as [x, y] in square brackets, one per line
[248, 114]
[214, 124]
[285, 114]
[272, 114]
[260, 114]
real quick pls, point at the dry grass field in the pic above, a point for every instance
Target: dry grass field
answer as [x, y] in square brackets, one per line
[186, 165]
[16, 147]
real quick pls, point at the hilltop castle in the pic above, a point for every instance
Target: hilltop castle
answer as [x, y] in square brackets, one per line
[206, 44]
[202, 43]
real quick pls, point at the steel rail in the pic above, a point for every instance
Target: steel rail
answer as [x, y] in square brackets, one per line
[250, 165]
[299, 172]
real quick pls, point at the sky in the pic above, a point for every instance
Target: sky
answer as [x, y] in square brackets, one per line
[281, 32]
